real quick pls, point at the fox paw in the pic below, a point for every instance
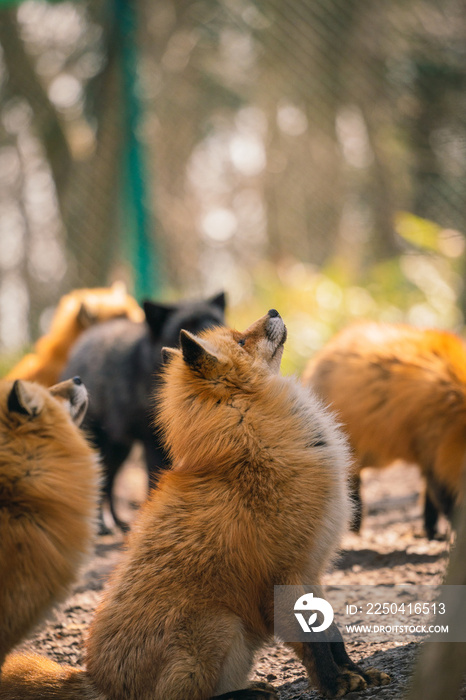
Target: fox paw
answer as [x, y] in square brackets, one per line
[347, 682]
[375, 677]
[352, 680]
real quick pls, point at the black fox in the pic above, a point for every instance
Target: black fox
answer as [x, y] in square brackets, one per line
[119, 362]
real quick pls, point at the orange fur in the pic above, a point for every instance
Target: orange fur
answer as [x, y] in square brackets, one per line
[48, 502]
[75, 312]
[400, 392]
[256, 496]
[33, 677]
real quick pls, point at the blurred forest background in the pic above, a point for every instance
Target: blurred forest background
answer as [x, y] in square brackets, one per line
[304, 154]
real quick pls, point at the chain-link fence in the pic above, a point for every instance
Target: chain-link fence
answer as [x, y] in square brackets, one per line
[328, 133]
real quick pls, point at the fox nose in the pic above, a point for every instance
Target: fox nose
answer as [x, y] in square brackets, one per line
[77, 381]
[273, 313]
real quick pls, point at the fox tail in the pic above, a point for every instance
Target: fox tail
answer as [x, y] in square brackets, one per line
[30, 677]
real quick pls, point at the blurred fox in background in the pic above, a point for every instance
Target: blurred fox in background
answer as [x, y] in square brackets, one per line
[76, 311]
[119, 362]
[400, 393]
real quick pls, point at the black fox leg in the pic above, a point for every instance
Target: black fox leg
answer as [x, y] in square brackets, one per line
[439, 499]
[355, 492]
[371, 675]
[325, 673]
[113, 456]
[430, 517]
[332, 671]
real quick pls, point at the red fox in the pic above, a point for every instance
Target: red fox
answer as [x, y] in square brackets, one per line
[400, 393]
[75, 312]
[256, 496]
[48, 501]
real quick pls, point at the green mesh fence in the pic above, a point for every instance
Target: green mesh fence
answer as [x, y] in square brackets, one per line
[179, 145]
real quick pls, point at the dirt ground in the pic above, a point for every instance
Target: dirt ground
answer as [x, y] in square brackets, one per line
[390, 549]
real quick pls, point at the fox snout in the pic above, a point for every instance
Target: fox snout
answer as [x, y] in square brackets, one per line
[275, 329]
[271, 327]
[266, 338]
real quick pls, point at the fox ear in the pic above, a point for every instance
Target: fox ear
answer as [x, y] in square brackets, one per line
[119, 288]
[85, 316]
[24, 400]
[197, 353]
[168, 354]
[156, 315]
[219, 300]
